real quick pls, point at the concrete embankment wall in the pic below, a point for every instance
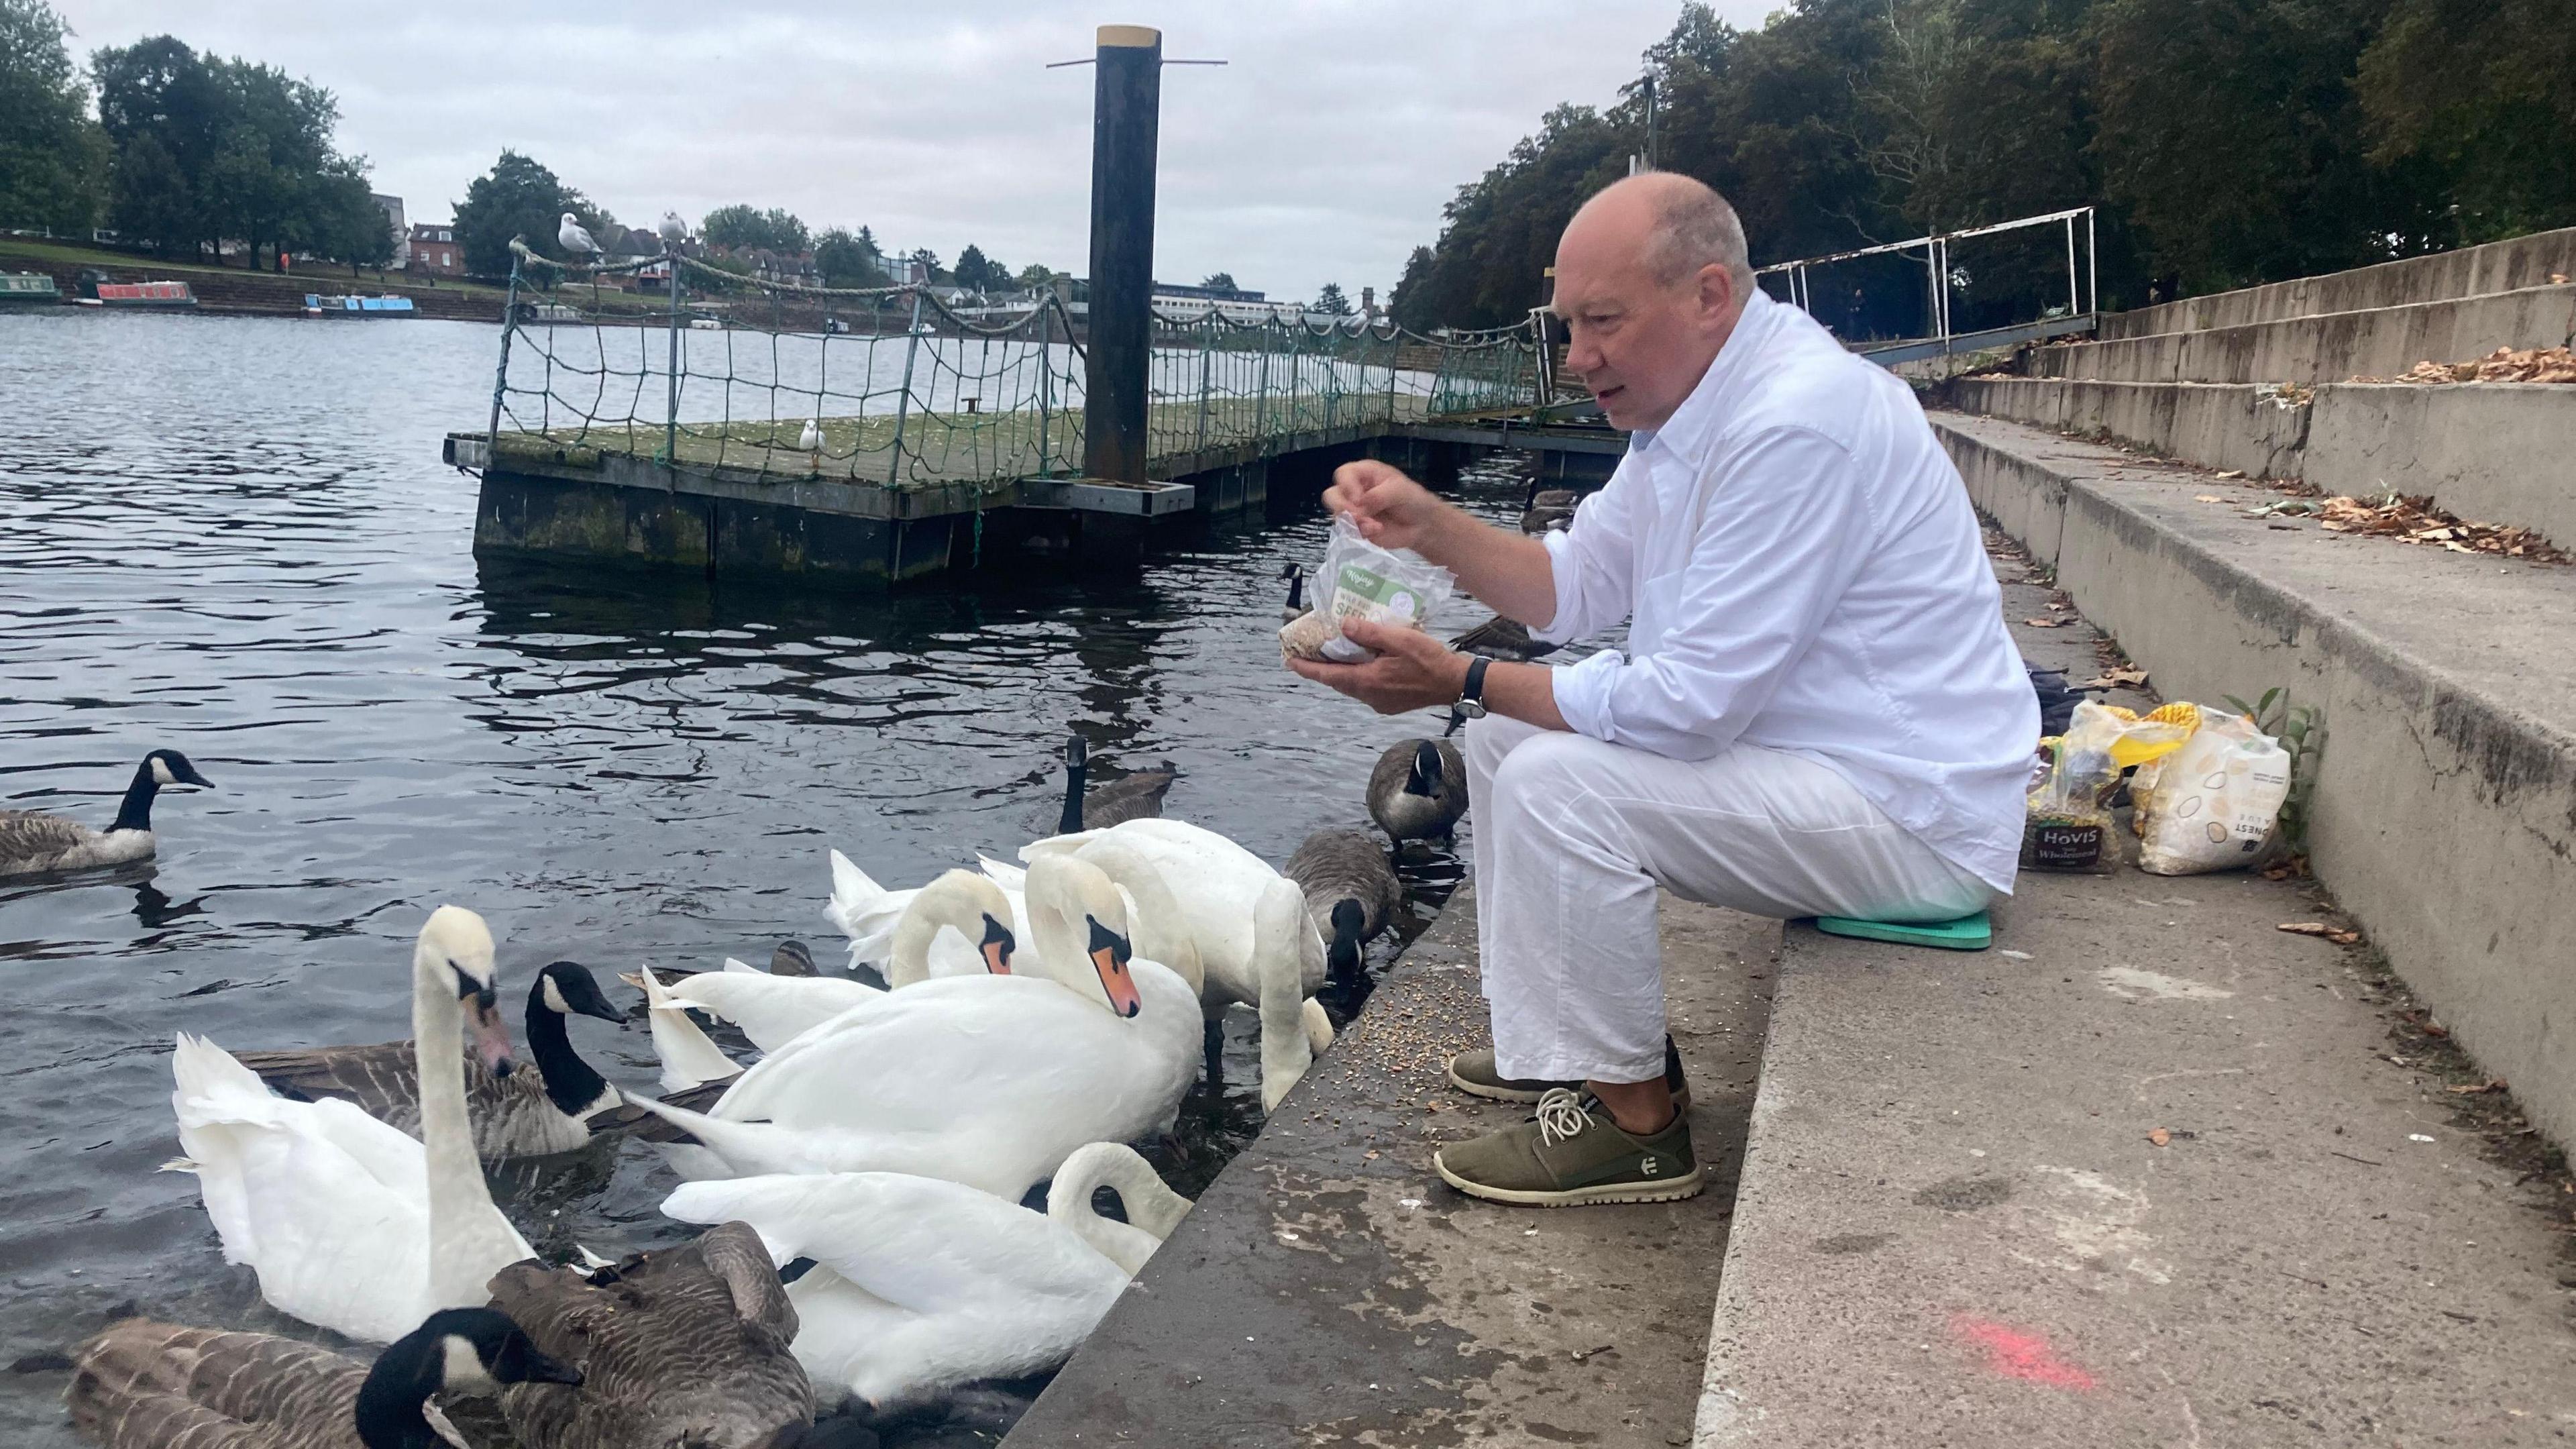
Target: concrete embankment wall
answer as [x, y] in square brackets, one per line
[2331, 347]
[2505, 266]
[2494, 452]
[2445, 809]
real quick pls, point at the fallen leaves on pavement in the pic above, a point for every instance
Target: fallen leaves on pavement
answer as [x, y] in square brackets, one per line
[2416, 520]
[2477, 1089]
[2341, 936]
[2048, 623]
[2117, 679]
[2505, 364]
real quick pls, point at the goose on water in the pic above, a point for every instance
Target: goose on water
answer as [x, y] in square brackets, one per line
[1501, 638]
[1295, 608]
[677, 1348]
[1550, 510]
[1246, 922]
[1418, 791]
[915, 1286]
[148, 1385]
[35, 842]
[1093, 807]
[541, 1107]
[991, 1081]
[1351, 892]
[349, 1224]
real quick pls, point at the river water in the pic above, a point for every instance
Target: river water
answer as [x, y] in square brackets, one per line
[233, 537]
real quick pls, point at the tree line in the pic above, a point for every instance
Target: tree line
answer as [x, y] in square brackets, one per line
[184, 151]
[2227, 142]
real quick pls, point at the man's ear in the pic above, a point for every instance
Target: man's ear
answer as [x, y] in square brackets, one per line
[1716, 291]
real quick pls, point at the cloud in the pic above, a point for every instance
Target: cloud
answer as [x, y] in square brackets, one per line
[1322, 151]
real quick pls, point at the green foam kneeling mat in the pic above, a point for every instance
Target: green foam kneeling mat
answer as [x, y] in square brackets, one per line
[1968, 933]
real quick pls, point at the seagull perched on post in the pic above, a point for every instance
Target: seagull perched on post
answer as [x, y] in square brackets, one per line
[674, 231]
[573, 237]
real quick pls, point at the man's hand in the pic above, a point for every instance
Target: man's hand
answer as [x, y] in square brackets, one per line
[1392, 510]
[1412, 670]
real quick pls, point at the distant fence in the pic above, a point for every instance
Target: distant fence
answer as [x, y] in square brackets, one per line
[889, 385]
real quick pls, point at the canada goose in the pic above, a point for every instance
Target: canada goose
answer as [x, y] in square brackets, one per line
[34, 841]
[1351, 892]
[1418, 791]
[917, 1286]
[540, 1108]
[991, 1081]
[1137, 797]
[1296, 606]
[1501, 638]
[148, 1385]
[1549, 508]
[677, 1348]
[349, 1224]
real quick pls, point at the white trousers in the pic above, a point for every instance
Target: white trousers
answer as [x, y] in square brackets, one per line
[1572, 835]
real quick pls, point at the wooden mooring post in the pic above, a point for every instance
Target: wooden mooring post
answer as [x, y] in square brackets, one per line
[1126, 115]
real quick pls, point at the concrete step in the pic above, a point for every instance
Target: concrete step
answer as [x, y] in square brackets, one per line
[1329, 1288]
[2330, 347]
[1953, 1227]
[2495, 452]
[2445, 808]
[2505, 266]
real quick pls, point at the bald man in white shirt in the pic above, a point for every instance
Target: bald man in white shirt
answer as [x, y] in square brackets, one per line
[1818, 711]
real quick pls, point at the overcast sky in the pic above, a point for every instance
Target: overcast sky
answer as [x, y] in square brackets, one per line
[1322, 152]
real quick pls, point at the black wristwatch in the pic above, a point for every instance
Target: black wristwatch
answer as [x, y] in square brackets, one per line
[1471, 695]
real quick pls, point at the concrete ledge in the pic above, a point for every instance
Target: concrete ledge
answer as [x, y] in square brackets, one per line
[1330, 1289]
[2247, 427]
[2505, 266]
[2333, 347]
[2500, 452]
[1952, 1227]
[2445, 812]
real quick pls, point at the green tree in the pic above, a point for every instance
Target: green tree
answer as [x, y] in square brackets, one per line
[1219, 281]
[517, 198]
[739, 227]
[979, 273]
[2484, 91]
[931, 271]
[1036, 277]
[53, 157]
[1331, 302]
[849, 261]
[162, 111]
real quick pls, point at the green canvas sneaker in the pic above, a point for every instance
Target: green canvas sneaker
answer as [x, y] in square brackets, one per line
[1475, 1074]
[1573, 1153]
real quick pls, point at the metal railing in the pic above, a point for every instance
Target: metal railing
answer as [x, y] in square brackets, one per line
[891, 386]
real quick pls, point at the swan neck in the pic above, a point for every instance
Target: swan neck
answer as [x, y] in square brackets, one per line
[135, 811]
[946, 901]
[457, 1192]
[1152, 1208]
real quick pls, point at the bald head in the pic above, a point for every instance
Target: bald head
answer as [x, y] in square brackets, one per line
[1651, 276]
[1678, 224]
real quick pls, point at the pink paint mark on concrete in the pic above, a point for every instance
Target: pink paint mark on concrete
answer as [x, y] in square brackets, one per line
[2019, 1353]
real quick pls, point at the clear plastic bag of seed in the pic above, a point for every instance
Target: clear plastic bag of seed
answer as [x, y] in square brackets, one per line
[1359, 580]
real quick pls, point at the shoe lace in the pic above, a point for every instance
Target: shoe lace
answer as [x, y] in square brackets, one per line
[1561, 1115]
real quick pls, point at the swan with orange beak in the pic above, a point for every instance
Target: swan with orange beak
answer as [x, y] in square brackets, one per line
[990, 1081]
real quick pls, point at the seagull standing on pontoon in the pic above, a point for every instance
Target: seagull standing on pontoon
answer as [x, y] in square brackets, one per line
[675, 232]
[575, 238]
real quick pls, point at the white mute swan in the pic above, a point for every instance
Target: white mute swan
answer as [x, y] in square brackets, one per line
[1249, 925]
[351, 1225]
[990, 1081]
[774, 1010]
[918, 1285]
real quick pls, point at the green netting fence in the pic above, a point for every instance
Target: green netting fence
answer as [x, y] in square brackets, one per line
[895, 387]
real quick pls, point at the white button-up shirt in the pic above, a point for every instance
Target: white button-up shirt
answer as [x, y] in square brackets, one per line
[1801, 569]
